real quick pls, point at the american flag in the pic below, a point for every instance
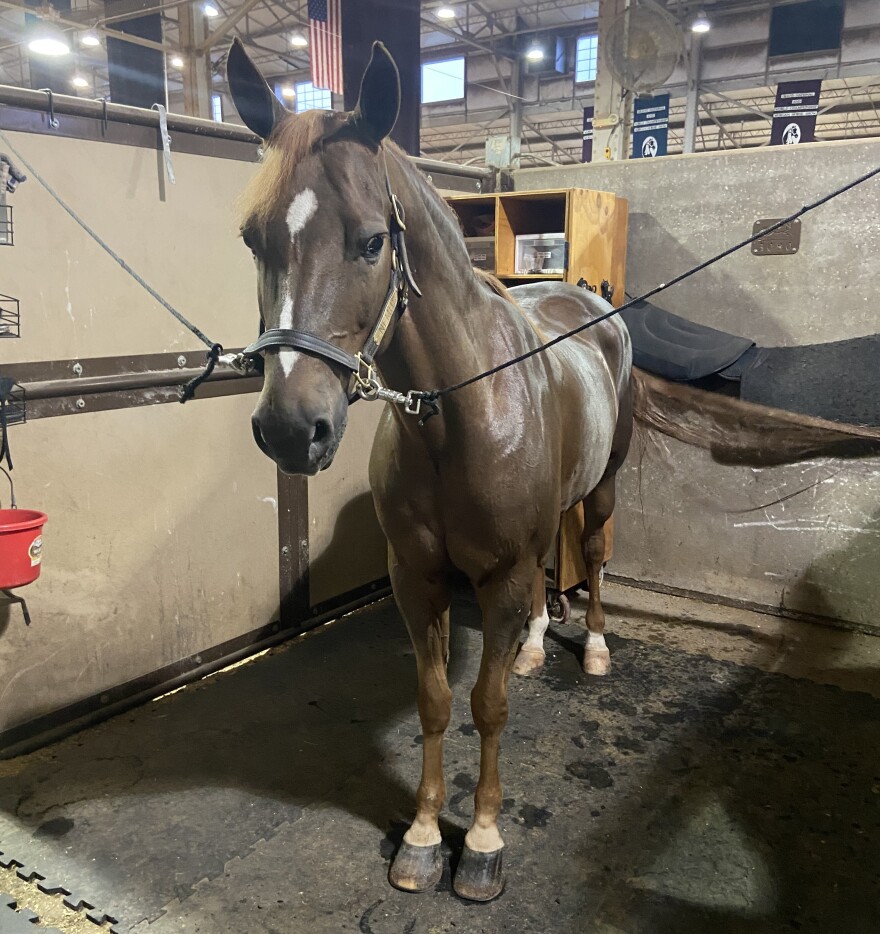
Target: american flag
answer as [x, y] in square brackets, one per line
[325, 40]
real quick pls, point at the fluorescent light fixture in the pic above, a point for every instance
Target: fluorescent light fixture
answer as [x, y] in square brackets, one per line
[78, 81]
[700, 22]
[176, 61]
[288, 91]
[535, 54]
[210, 10]
[48, 39]
[446, 12]
[298, 40]
[89, 39]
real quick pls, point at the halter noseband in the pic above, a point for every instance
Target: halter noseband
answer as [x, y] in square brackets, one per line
[361, 364]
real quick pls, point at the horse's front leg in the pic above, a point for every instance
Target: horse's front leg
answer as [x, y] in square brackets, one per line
[505, 604]
[424, 603]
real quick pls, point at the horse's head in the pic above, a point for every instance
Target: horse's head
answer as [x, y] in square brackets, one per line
[317, 218]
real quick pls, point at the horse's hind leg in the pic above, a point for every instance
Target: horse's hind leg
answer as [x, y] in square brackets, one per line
[424, 604]
[531, 655]
[598, 507]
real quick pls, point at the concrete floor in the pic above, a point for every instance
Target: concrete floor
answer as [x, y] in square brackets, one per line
[722, 779]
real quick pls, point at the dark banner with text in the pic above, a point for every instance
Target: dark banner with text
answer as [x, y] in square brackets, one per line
[650, 126]
[794, 116]
[587, 150]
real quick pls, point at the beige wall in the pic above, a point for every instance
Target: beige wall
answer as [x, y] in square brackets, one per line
[683, 520]
[162, 538]
[76, 301]
[161, 543]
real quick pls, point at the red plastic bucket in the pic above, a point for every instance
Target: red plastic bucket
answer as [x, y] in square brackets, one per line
[21, 546]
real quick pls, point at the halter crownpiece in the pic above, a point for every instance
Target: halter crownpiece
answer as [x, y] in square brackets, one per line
[361, 364]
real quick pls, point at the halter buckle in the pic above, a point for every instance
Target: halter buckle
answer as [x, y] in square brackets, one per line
[399, 213]
[365, 378]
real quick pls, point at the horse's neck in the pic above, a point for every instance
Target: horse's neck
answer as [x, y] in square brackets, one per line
[447, 334]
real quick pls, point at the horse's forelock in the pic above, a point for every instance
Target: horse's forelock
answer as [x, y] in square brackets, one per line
[292, 140]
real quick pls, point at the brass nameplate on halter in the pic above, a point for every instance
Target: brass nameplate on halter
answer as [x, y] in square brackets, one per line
[782, 242]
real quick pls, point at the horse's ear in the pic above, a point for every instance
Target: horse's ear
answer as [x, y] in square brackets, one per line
[253, 98]
[379, 99]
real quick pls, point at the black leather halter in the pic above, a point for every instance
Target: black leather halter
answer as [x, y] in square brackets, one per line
[394, 305]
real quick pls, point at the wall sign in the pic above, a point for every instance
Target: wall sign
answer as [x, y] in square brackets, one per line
[650, 126]
[794, 116]
[587, 150]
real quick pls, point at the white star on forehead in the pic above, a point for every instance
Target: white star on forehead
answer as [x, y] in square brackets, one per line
[301, 210]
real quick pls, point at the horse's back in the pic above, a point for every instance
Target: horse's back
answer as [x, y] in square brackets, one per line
[555, 308]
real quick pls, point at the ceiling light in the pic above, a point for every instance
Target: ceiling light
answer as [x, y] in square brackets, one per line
[78, 81]
[48, 39]
[298, 41]
[176, 61]
[89, 39]
[446, 12]
[535, 53]
[700, 22]
[210, 10]
[288, 91]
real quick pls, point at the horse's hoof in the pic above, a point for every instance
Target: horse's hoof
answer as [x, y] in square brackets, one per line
[416, 868]
[528, 661]
[479, 877]
[597, 661]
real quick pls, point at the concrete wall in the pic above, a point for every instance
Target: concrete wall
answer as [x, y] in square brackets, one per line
[684, 521]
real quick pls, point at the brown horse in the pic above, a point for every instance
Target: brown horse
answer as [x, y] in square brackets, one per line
[480, 488]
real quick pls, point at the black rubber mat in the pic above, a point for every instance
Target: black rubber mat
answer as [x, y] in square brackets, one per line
[839, 381]
[679, 794]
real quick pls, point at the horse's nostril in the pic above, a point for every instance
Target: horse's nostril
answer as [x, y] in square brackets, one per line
[321, 431]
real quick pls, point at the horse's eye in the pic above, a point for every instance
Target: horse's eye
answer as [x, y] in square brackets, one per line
[374, 247]
[247, 241]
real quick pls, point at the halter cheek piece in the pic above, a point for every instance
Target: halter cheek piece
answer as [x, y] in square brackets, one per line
[366, 385]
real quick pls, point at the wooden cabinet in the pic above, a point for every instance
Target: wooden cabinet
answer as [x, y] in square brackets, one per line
[594, 224]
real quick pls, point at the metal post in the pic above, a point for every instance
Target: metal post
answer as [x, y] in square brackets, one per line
[196, 63]
[516, 112]
[695, 62]
[613, 109]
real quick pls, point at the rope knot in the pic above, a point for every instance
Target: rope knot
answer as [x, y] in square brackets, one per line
[188, 391]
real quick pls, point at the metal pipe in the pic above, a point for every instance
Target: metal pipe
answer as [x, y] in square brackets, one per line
[122, 113]
[138, 116]
[93, 385]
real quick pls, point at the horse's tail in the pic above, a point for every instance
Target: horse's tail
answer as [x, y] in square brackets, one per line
[738, 432]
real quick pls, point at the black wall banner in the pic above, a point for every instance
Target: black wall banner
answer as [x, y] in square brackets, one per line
[794, 116]
[650, 126]
[587, 150]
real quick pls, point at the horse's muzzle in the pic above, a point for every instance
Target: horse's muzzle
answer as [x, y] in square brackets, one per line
[299, 443]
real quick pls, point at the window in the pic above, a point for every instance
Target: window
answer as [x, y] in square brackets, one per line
[308, 97]
[798, 28]
[443, 81]
[586, 58]
[217, 108]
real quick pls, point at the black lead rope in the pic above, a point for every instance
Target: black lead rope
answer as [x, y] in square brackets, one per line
[432, 397]
[5, 453]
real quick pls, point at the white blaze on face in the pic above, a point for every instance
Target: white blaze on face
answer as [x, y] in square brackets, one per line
[300, 212]
[287, 357]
